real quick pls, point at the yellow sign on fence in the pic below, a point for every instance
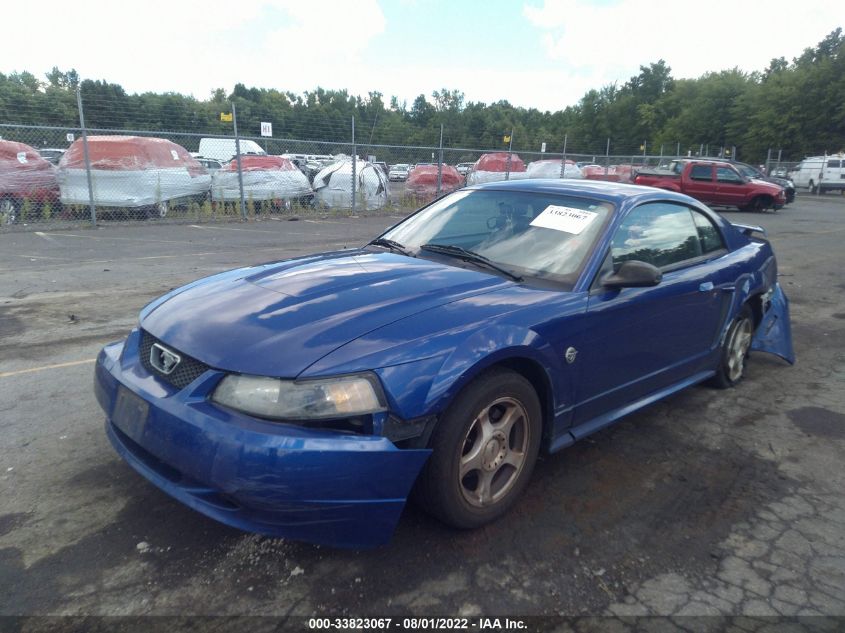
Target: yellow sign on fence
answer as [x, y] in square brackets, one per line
[226, 116]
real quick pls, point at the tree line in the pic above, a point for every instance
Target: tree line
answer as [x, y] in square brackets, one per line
[797, 106]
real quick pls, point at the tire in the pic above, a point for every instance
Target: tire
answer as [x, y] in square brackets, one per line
[491, 433]
[757, 205]
[9, 211]
[158, 210]
[735, 350]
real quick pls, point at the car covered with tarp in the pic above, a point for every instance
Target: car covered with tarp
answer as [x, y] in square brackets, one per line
[333, 185]
[497, 166]
[265, 178]
[28, 182]
[422, 181]
[550, 168]
[132, 172]
[609, 173]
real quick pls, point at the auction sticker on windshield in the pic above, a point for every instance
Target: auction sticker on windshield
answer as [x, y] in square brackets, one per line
[564, 219]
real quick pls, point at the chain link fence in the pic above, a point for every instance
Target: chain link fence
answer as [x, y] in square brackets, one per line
[51, 175]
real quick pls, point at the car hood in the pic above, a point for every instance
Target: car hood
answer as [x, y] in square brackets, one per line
[766, 183]
[277, 319]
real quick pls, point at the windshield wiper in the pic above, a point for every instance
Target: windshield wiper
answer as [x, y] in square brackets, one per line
[392, 245]
[469, 256]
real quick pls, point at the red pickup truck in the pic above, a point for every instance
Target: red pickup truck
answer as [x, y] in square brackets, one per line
[714, 183]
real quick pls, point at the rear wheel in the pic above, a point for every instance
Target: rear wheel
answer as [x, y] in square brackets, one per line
[484, 450]
[9, 209]
[735, 350]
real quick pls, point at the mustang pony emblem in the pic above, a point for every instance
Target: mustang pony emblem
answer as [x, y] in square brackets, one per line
[163, 359]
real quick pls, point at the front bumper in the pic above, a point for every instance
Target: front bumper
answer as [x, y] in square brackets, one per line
[283, 480]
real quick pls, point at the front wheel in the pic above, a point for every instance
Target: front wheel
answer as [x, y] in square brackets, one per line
[757, 205]
[158, 210]
[735, 349]
[484, 450]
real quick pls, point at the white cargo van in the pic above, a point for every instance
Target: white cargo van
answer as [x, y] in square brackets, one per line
[820, 173]
[223, 149]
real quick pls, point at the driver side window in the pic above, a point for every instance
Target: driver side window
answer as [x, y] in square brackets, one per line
[660, 233]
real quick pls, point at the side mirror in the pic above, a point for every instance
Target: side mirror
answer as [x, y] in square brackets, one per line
[633, 274]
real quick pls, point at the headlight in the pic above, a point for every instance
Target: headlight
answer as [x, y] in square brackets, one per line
[339, 397]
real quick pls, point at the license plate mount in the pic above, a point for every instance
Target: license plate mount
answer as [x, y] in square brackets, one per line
[130, 413]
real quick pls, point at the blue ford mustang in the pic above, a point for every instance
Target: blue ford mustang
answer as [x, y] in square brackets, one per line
[306, 398]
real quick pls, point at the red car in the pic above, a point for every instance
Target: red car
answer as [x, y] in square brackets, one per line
[715, 183]
[422, 181]
[27, 183]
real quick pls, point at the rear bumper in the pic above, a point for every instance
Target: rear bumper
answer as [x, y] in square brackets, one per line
[258, 476]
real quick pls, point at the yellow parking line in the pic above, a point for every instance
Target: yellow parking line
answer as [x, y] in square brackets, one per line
[6, 374]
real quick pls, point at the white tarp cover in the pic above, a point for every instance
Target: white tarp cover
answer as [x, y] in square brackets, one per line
[333, 185]
[551, 169]
[135, 188]
[479, 177]
[264, 180]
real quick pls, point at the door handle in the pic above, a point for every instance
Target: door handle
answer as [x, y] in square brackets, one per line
[707, 286]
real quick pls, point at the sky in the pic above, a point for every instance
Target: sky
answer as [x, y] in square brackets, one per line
[541, 54]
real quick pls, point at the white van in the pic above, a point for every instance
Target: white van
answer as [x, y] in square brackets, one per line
[223, 149]
[820, 173]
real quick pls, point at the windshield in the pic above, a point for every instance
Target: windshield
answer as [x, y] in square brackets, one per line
[538, 235]
[748, 171]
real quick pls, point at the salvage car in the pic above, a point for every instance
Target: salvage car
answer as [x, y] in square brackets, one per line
[28, 184]
[305, 398]
[422, 184]
[144, 174]
[398, 172]
[272, 179]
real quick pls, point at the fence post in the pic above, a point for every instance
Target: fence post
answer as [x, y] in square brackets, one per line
[607, 159]
[678, 151]
[510, 152]
[769, 162]
[86, 156]
[440, 163]
[354, 165]
[563, 159]
[238, 160]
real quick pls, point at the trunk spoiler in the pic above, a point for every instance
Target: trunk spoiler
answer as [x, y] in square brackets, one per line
[748, 229]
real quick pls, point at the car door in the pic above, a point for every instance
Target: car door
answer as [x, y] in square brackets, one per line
[832, 174]
[641, 340]
[730, 187]
[699, 183]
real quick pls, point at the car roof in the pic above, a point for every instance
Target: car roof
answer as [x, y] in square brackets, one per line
[615, 192]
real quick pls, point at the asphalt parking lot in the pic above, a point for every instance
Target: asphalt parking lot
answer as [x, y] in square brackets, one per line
[711, 502]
